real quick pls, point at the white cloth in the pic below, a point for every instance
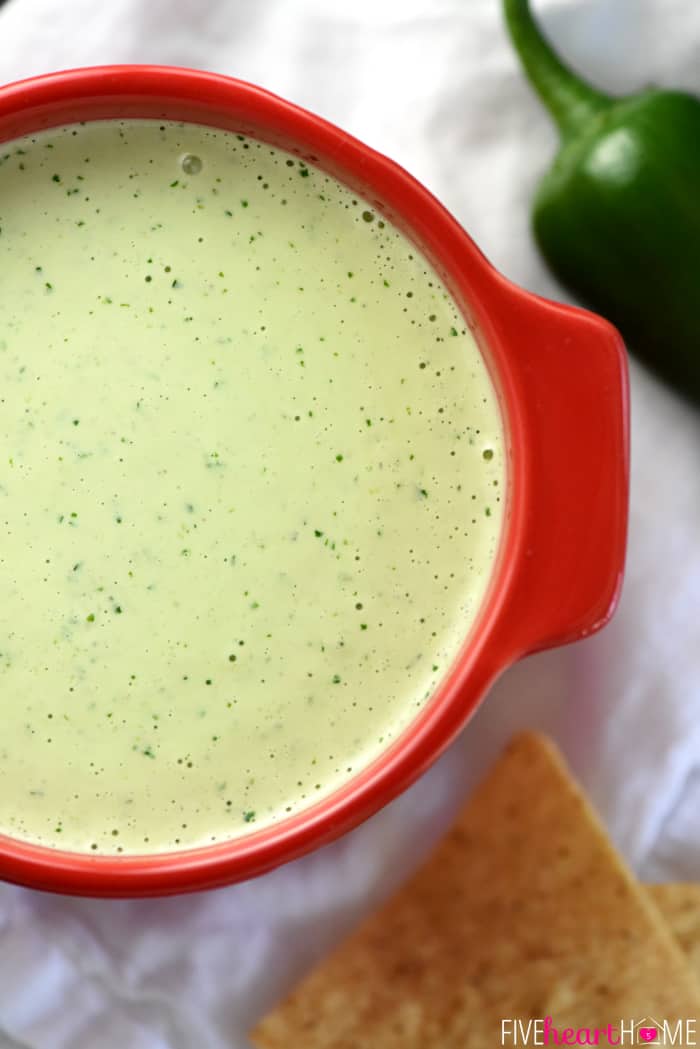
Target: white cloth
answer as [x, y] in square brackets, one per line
[435, 85]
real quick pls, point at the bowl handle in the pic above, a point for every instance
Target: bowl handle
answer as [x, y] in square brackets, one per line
[569, 439]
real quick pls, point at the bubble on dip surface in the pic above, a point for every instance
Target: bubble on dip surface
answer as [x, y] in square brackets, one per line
[250, 487]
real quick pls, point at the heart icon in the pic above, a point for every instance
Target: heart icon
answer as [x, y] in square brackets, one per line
[648, 1034]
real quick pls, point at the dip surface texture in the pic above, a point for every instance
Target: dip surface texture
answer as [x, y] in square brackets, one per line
[250, 485]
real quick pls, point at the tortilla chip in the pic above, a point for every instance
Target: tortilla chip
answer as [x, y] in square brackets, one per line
[524, 911]
[680, 906]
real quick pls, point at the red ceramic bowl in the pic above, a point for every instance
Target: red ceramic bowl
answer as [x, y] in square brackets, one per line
[561, 378]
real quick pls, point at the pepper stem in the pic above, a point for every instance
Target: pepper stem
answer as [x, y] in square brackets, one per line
[570, 100]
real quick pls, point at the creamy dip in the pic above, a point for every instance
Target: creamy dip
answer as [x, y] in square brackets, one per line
[250, 487]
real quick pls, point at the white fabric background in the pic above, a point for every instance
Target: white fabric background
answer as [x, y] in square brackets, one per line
[434, 84]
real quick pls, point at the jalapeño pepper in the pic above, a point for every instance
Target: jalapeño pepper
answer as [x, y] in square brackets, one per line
[617, 217]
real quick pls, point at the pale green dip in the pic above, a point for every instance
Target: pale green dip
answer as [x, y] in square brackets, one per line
[249, 489]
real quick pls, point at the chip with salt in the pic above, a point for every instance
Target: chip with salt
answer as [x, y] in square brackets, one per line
[680, 906]
[525, 911]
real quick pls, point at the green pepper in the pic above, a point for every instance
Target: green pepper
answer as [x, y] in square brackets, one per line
[617, 217]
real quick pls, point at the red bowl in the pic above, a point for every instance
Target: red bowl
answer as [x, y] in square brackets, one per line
[561, 377]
